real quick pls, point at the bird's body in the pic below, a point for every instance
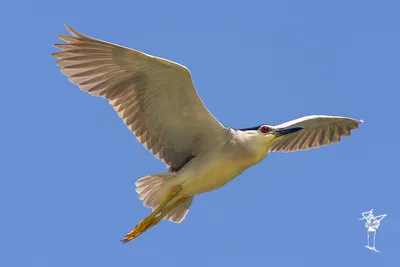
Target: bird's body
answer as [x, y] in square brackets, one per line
[206, 172]
[216, 167]
[158, 102]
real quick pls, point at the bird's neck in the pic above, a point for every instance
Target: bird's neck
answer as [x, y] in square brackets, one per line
[256, 145]
[260, 145]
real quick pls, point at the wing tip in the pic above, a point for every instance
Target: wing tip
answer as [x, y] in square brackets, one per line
[73, 32]
[357, 124]
[69, 29]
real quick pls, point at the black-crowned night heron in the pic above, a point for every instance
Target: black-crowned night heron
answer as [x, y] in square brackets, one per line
[158, 102]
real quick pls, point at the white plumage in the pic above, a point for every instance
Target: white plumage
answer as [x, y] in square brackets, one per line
[158, 102]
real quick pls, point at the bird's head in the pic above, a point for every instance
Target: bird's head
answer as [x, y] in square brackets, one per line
[269, 134]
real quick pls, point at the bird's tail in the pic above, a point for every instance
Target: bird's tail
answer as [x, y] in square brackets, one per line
[153, 189]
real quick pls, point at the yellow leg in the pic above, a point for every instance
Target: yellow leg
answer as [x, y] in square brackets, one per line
[164, 213]
[146, 222]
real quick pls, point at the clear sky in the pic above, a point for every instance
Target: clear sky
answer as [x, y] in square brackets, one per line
[69, 164]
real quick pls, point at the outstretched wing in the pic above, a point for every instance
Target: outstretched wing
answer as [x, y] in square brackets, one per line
[318, 131]
[156, 98]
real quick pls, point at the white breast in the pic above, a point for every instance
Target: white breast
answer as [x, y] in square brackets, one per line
[214, 169]
[210, 176]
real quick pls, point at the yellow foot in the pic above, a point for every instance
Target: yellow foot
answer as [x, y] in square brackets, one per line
[139, 229]
[153, 219]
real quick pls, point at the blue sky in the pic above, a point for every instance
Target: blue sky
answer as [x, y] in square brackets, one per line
[69, 164]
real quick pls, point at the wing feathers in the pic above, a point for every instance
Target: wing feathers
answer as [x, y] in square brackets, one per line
[148, 93]
[318, 131]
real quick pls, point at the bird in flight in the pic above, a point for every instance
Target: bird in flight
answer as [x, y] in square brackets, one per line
[158, 102]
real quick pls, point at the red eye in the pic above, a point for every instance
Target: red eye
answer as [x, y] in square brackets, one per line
[264, 129]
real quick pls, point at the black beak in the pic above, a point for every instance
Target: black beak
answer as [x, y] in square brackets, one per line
[288, 130]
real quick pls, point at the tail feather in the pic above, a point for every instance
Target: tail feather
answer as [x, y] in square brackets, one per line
[153, 189]
[179, 213]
